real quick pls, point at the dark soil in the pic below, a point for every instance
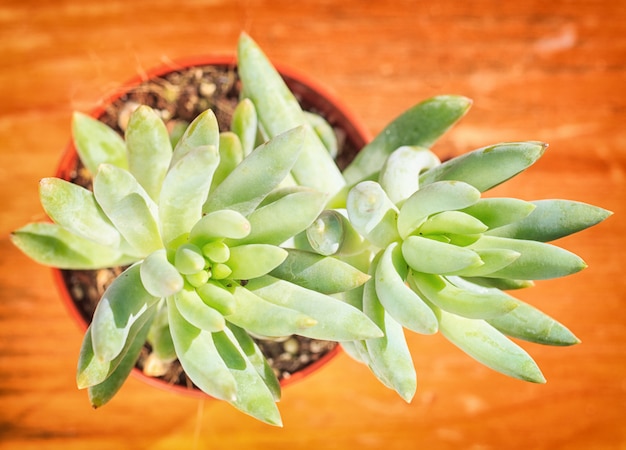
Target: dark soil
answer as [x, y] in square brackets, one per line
[181, 96]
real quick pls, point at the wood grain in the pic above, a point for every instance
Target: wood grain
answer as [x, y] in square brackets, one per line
[551, 71]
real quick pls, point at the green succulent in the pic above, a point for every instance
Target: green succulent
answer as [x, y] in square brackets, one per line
[228, 236]
[203, 228]
[440, 256]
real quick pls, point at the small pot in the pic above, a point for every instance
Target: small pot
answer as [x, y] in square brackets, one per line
[312, 97]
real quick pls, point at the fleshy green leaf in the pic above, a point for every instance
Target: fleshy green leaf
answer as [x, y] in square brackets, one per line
[202, 132]
[528, 323]
[399, 176]
[253, 260]
[537, 261]
[123, 303]
[487, 167]
[244, 125]
[553, 219]
[101, 393]
[431, 256]
[263, 170]
[494, 259]
[97, 143]
[372, 213]
[108, 376]
[75, 209]
[400, 301]
[501, 283]
[486, 304]
[336, 320]
[324, 131]
[264, 318]
[200, 358]
[434, 198]
[52, 245]
[421, 126]
[217, 296]
[231, 154]
[184, 191]
[389, 356]
[488, 346]
[254, 397]
[279, 111]
[159, 336]
[323, 274]
[197, 312]
[129, 207]
[282, 219]
[452, 222]
[257, 359]
[149, 149]
[496, 212]
[159, 277]
[223, 223]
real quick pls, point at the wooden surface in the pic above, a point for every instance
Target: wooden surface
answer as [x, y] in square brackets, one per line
[551, 71]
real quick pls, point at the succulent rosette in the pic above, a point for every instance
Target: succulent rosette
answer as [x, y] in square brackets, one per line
[201, 226]
[441, 257]
[255, 231]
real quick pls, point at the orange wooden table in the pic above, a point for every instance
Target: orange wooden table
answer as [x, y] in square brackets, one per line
[550, 71]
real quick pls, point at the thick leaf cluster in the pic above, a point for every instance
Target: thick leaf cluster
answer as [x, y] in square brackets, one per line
[256, 231]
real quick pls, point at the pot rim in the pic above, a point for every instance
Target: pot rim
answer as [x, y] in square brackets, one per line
[357, 131]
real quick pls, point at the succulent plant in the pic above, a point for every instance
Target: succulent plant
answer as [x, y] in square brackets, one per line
[441, 257]
[256, 232]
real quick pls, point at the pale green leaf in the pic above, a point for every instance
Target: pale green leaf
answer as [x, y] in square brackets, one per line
[149, 149]
[52, 245]
[101, 393]
[488, 346]
[253, 395]
[389, 356]
[279, 111]
[257, 359]
[431, 256]
[159, 277]
[231, 154]
[264, 318]
[399, 300]
[199, 357]
[530, 324]
[487, 167]
[129, 207]
[320, 273]
[257, 175]
[123, 303]
[197, 312]
[421, 125]
[434, 198]
[244, 124]
[203, 131]
[496, 212]
[108, 376]
[537, 260]
[553, 219]
[253, 260]
[223, 223]
[97, 143]
[184, 191]
[74, 208]
[282, 219]
[485, 304]
[336, 320]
